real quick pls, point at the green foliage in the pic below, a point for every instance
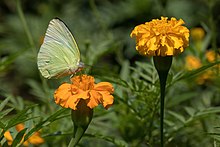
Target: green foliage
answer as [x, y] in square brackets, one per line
[102, 30]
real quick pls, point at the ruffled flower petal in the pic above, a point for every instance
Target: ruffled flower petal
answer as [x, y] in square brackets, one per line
[161, 37]
[105, 89]
[8, 137]
[95, 99]
[104, 86]
[84, 87]
[63, 94]
[107, 99]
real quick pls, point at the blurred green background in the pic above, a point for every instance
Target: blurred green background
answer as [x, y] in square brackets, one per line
[102, 30]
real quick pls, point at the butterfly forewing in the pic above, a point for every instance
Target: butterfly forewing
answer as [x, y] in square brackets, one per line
[59, 54]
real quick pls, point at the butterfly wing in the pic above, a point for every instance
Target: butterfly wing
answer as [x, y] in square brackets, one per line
[59, 54]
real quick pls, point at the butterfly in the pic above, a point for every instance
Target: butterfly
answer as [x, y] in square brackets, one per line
[59, 54]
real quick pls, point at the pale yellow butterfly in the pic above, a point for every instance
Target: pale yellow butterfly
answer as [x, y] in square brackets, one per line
[59, 54]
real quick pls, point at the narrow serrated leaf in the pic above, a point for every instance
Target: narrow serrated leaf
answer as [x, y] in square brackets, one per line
[5, 112]
[18, 138]
[50, 119]
[178, 116]
[4, 103]
[190, 111]
[113, 140]
[21, 116]
[2, 126]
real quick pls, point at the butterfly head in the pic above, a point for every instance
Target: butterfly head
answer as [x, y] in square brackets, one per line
[81, 65]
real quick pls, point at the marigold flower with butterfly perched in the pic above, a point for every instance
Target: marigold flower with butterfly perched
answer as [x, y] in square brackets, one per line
[161, 37]
[35, 139]
[83, 87]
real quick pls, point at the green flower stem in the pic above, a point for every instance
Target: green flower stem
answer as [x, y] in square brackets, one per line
[162, 65]
[78, 133]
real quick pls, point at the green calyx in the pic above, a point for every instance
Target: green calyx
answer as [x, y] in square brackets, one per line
[81, 119]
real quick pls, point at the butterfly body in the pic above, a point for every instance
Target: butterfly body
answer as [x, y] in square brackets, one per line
[59, 54]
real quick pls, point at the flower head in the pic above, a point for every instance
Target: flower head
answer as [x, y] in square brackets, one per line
[83, 87]
[192, 62]
[197, 34]
[211, 55]
[35, 139]
[161, 37]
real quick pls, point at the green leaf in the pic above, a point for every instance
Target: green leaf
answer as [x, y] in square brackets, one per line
[20, 117]
[190, 111]
[181, 98]
[206, 112]
[4, 103]
[114, 79]
[18, 138]
[113, 140]
[178, 116]
[47, 121]
[5, 112]
[124, 74]
[6, 61]
[2, 126]
[211, 110]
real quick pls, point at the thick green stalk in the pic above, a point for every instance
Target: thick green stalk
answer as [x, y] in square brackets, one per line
[162, 65]
[163, 78]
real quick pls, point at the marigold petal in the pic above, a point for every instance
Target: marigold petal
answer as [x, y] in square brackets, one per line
[95, 99]
[35, 139]
[104, 86]
[8, 137]
[107, 99]
[19, 127]
[104, 90]
[26, 143]
[62, 94]
[83, 82]
[151, 44]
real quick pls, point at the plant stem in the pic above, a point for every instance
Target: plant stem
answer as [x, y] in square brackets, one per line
[71, 144]
[24, 23]
[162, 65]
[78, 133]
[163, 78]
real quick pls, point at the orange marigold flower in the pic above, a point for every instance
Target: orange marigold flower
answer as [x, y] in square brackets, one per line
[211, 55]
[161, 37]
[192, 62]
[84, 87]
[205, 77]
[35, 139]
[197, 34]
